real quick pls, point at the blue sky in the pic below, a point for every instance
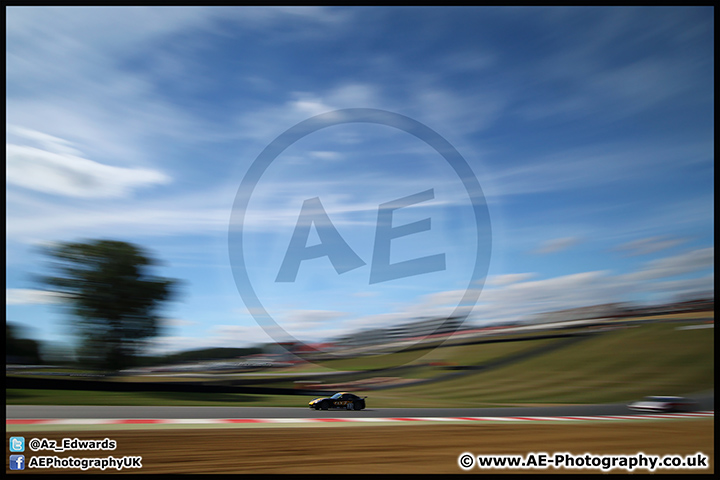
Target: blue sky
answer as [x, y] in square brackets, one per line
[590, 131]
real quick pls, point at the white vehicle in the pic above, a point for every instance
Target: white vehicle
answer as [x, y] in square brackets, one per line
[663, 404]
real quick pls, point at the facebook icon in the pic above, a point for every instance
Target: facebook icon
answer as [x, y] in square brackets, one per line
[17, 462]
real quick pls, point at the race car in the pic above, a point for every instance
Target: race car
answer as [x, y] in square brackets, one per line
[663, 404]
[343, 400]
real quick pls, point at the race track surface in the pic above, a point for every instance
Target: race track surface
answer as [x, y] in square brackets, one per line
[145, 412]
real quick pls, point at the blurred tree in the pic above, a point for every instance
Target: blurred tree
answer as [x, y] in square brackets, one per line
[20, 350]
[114, 299]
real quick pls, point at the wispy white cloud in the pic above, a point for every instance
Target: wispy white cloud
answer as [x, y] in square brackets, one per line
[595, 165]
[176, 322]
[33, 220]
[276, 205]
[27, 296]
[326, 155]
[508, 278]
[688, 262]
[557, 245]
[267, 122]
[687, 286]
[644, 246]
[506, 298]
[595, 85]
[217, 336]
[513, 297]
[75, 63]
[42, 140]
[518, 301]
[304, 320]
[71, 175]
[449, 111]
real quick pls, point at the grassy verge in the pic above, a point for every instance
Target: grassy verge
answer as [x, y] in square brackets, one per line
[615, 367]
[79, 397]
